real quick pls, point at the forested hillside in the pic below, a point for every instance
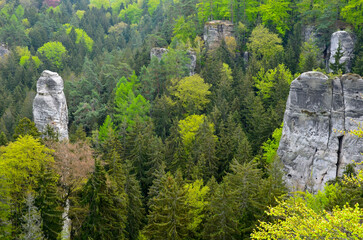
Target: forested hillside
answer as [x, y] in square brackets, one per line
[156, 151]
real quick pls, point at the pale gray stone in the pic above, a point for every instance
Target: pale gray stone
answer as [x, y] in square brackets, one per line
[347, 44]
[3, 50]
[50, 106]
[158, 52]
[312, 147]
[217, 30]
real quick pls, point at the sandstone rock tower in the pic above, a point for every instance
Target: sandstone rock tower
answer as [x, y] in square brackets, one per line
[50, 106]
[311, 148]
[217, 30]
[347, 44]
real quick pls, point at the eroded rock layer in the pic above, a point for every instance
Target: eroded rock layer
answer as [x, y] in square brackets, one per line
[313, 147]
[50, 106]
[217, 30]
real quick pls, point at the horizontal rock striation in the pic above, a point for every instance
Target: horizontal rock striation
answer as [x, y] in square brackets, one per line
[312, 147]
[50, 106]
[217, 30]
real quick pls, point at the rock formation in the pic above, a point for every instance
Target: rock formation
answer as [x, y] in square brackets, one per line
[347, 44]
[160, 52]
[312, 147]
[50, 106]
[217, 30]
[3, 50]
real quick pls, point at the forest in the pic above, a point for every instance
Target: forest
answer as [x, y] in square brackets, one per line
[155, 152]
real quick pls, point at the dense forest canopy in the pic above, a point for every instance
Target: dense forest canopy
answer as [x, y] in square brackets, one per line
[156, 152]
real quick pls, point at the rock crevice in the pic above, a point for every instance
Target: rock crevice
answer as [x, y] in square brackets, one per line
[319, 110]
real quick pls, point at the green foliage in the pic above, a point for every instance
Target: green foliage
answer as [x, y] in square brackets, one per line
[276, 14]
[54, 54]
[152, 5]
[128, 105]
[21, 162]
[271, 145]
[3, 139]
[268, 83]
[309, 57]
[81, 37]
[168, 217]
[299, 219]
[353, 13]
[26, 127]
[192, 93]
[264, 46]
[106, 216]
[32, 226]
[184, 30]
[131, 14]
[338, 67]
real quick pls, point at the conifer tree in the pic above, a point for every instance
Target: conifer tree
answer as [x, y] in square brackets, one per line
[222, 221]
[135, 210]
[3, 139]
[26, 127]
[32, 226]
[168, 217]
[106, 217]
[48, 202]
[337, 66]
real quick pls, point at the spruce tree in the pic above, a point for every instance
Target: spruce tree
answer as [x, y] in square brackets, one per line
[32, 221]
[48, 202]
[106, 217]
[337, 66]
[3, 139]
[168, 217]
[135, 210]
[222, 222]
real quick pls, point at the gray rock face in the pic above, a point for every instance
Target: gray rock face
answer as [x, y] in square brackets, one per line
[160, 52]
[312, 147]
[3, 50]
[347, 43]
[193, 62]
[217, 30]
[50, 106]
[309, 32]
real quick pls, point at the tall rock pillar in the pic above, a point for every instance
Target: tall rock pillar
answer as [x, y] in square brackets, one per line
[50, 106]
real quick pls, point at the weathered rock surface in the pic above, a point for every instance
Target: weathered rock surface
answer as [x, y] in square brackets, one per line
[217, 30]
[193, 62]
[3, 50]
[50, 106]
[311, 147]
[160, 52]
[347, 43]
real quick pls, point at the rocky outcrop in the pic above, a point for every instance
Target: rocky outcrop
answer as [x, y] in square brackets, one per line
[3, 50]
[347, 44]
[217, 30]
[50, 106]
[312, 147]
[160, 52]
[193, 62]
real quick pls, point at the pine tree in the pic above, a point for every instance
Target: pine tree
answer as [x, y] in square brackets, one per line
[135, 210]
[337, 66]
[26, 127]
[222, 221]
[106, 217]
[168, 217]
[32, 226]
[3, 139]
[48, 202]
